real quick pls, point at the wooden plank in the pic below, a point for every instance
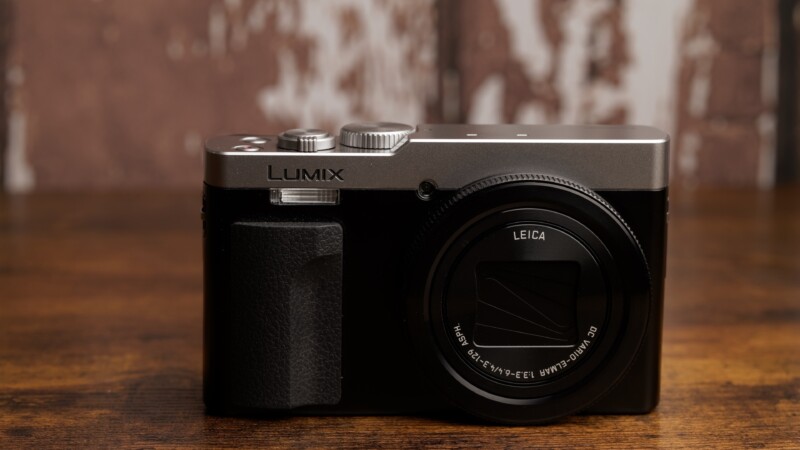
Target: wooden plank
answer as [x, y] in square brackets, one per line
[705, 71]
[727, 95]
[5, 42]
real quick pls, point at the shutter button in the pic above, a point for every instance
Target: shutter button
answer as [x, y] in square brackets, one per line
[306, 140]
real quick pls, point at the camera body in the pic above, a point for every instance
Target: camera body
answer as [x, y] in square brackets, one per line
[511, 272]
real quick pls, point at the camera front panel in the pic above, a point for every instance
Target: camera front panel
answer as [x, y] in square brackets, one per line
[544, 315]
[380, 372]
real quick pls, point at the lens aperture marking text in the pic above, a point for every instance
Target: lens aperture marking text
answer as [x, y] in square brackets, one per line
[462, 339]
[523, 375]
[579, 349]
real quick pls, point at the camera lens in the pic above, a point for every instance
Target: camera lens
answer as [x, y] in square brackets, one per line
[530, 300]
[523, 302]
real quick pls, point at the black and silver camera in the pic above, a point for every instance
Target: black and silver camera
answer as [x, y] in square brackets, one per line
[512, 272]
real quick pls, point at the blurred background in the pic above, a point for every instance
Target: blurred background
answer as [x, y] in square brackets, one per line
[119, 94]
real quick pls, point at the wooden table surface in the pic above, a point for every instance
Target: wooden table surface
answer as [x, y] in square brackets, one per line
[100, 334]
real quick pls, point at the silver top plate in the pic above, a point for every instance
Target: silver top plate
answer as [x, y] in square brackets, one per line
[599, 157]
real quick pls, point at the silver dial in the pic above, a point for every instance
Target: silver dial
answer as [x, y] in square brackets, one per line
[374, 135]
[306, 140]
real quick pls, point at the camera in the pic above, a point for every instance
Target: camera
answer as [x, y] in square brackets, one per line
[510, 272]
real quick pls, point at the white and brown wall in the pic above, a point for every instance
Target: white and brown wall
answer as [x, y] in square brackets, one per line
[117, 94]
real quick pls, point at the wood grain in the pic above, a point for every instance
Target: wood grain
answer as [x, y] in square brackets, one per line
[100, 335]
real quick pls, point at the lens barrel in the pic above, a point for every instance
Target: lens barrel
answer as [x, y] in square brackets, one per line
[530, 298]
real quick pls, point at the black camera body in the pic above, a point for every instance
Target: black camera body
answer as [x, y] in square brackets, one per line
[511, 272]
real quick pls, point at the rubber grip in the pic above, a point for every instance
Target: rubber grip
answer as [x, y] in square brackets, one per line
[286, 286]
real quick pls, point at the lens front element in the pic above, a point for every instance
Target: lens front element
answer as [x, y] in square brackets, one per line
[526, 304]
[524, 310]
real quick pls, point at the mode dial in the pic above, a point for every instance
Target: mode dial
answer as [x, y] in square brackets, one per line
[374, 135]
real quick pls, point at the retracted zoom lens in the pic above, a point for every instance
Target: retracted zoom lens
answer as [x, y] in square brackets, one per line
[536, 301]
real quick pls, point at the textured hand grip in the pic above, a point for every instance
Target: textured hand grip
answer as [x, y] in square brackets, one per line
[286, 298]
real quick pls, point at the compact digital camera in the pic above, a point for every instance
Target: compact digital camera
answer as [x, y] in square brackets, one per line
[511, 272]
